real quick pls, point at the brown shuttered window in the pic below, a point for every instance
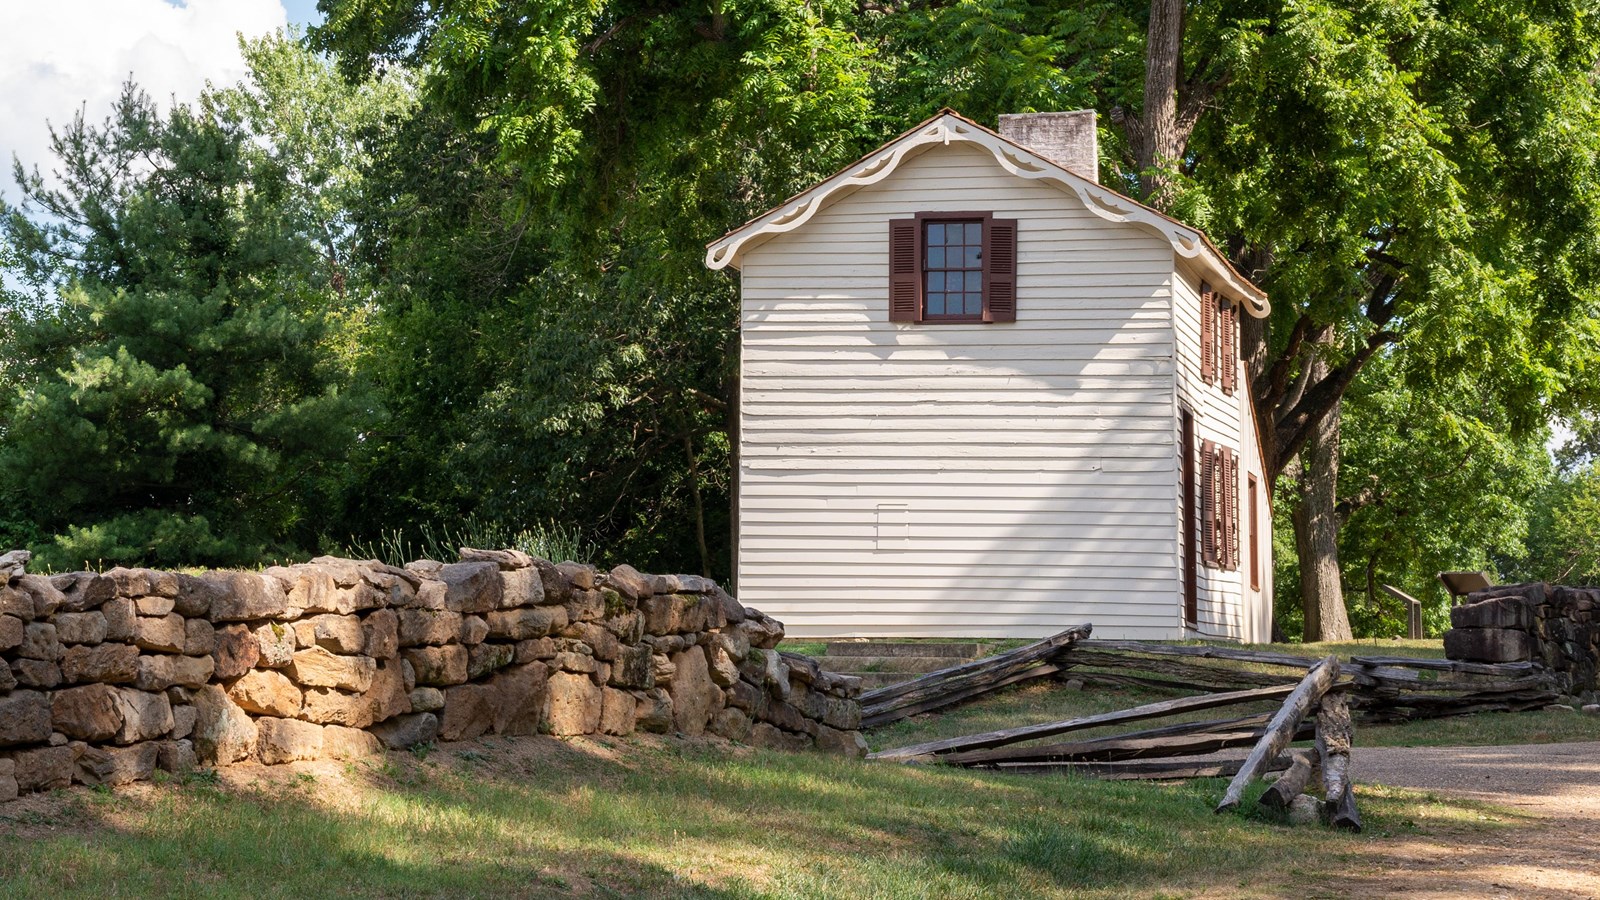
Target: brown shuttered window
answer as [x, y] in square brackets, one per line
[1252, 537]
[905, 271]
[1208, 334]
[1230, 508]
[1000, 271]
[953, 267]
[1208, 503]
[1227, 356]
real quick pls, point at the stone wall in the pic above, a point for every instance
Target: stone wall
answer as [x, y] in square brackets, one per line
[1540, 622]
[106, 677]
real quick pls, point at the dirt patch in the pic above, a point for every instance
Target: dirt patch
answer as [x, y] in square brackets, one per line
[1549, 849]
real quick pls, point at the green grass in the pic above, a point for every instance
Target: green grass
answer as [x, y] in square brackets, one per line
[645, 817]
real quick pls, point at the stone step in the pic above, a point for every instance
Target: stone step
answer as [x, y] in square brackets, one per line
[882, 648]
[871, 681]
[858, 665]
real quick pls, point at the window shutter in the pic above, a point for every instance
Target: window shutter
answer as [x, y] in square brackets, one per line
[905, 271]
[1227, 357]
[1230, 470]
[1000, 271]
[1208, 334]
[1208, 502]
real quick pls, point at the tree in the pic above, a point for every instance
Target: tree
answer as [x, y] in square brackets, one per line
[178, 401]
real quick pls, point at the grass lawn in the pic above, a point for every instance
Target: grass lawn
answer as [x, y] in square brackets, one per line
[673, 818]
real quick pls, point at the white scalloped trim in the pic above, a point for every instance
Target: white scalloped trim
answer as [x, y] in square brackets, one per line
[1105, 203]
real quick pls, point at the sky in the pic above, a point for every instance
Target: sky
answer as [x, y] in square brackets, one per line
[59, 55]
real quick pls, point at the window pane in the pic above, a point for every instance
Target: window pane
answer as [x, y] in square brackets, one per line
[935, 235]
[974, 304]
[973, 258]
[935, 281]
[953, 281]
[935, 304]
[935, 257]
[975, 233]
[974, 281]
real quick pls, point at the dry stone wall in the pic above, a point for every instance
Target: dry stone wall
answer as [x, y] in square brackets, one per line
[1538, 622]
[107, 677]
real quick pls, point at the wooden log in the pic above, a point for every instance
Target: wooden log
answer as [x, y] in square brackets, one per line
[1450, 665]
[1207, 675]
[1281, 730]
[976, 671]
[1188, 739]
[896, 712]
[1290, 784]
[1050, 729]
[1335, 734]
[1260, 657]
[1145, 770]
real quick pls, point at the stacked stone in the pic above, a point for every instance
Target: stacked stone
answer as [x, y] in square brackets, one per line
[107, 677]
[1550, 624]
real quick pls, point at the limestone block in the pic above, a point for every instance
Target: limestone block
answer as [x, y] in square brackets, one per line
[633, 669]
[163, 634]
[246, 595]
[339, 742]
[154, 606]
[521, 587]
[616, 711]
[13, 602]
[336, 633]
[767, 737]
[663, 614]
[723, 669]
[603, 645]
[654, 711]
[11, 631]
[628, 627]
[159, 672]
[430, 595]
[732, 610]
[88, 713]
[629, 583]
[427, 699]
[762, 631]
[575, 704]
[307, 588]
[382, 634]
[237, 651]
[537, 648]
[78, 628]
[121, 618]
[733, 724]
[326, 706]
[841, 743]
[113, 766]
[223, 733]
[438, 666]
[587, 606]
[106, 663]
[145, 716]
[177, 756]
[486, 658]
[393, 590]
[573, 661]
[521, 695]
[692, 692]
[46, 599]
[183, 719]
[527, 623]
[83, 590]
[195, 596]
[471, 587]
[474, 630]
[267, 692]
[8, 681]
[388, 692]
[403, 732]
[468, 712]
[1492, 645]
[286, 740]
[36, 673]
[316, 667]
[199, 638]
[44, 769]
[39, 642]
[276, 642]
[419, 627]
[577, 575]
[1511, 611]
[506, 560]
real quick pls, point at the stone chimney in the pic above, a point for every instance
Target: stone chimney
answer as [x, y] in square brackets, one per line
[1065, 138]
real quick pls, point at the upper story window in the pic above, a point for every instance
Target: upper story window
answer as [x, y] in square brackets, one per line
[1219, 339]
[953, 267]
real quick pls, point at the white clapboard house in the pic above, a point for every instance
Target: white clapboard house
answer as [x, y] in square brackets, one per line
[983, 395]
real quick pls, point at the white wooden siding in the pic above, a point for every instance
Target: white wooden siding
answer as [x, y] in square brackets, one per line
[959, 480]
[1227, 607]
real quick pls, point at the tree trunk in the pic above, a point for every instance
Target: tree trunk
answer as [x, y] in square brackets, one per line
[1160, 144]
[1316, 530]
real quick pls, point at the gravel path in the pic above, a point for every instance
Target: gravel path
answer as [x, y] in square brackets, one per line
[1552, 850]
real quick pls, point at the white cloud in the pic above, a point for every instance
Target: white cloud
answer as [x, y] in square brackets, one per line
[59, 55]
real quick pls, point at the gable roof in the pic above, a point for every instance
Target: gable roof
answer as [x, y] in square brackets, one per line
[948, 127]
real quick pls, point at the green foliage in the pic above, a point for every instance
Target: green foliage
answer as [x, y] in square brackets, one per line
[179, 400]
[443, 542]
